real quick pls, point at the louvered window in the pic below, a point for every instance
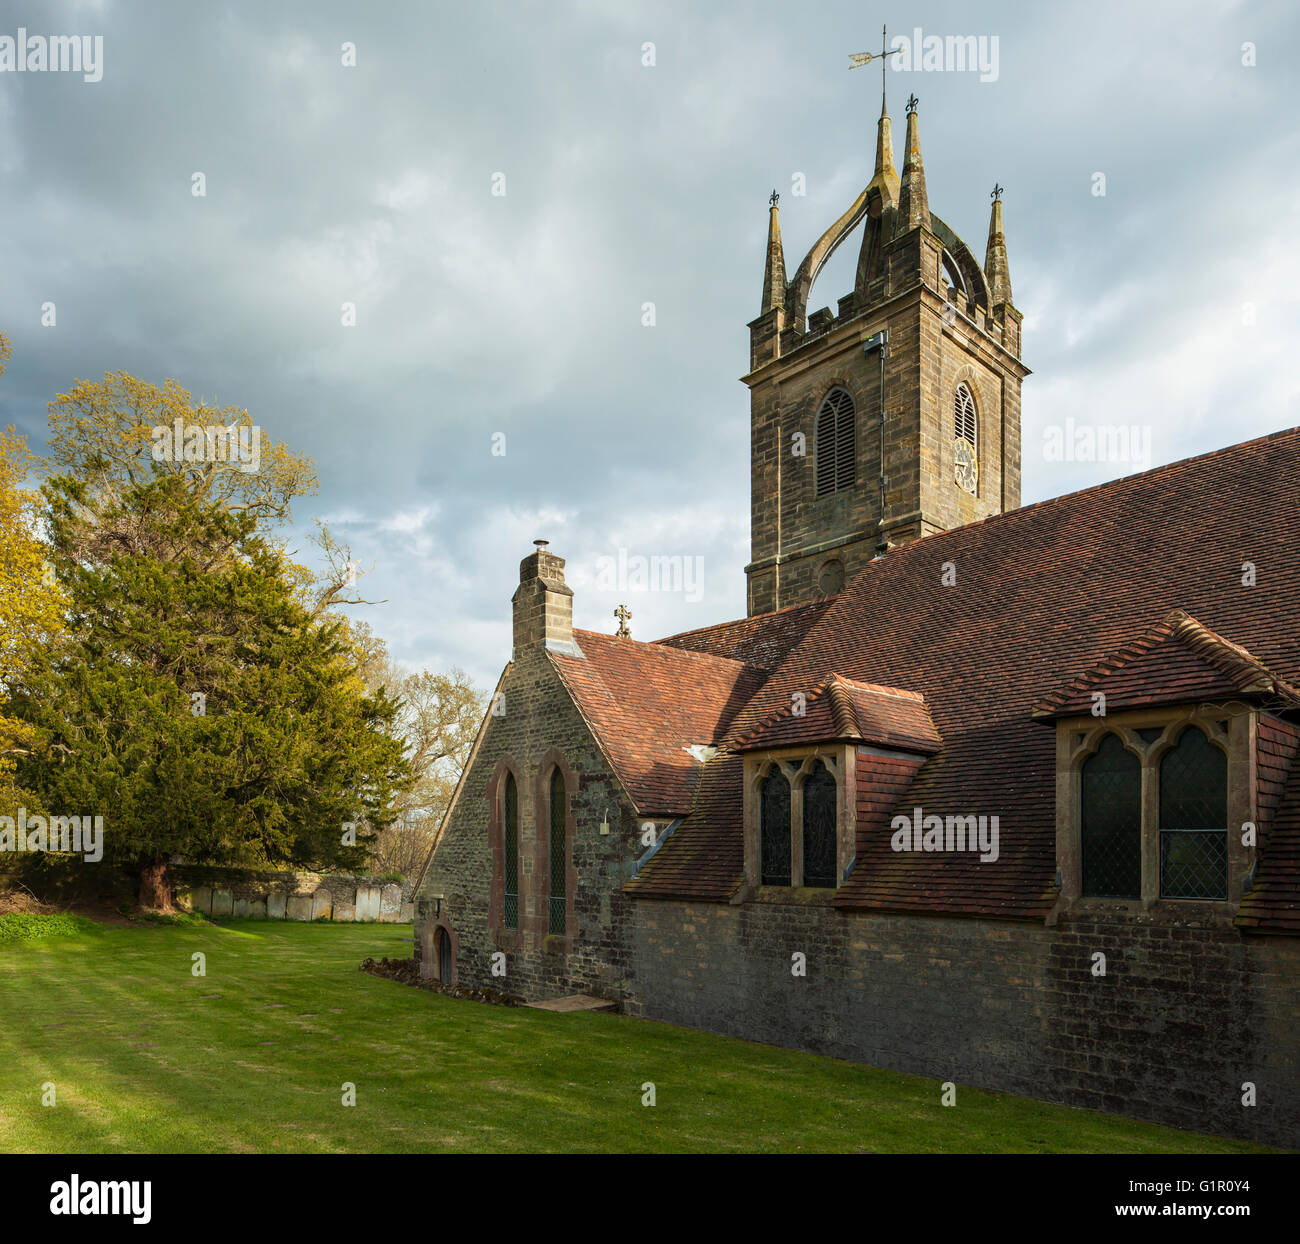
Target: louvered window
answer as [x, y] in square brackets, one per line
[558, 862]
[963, 416]
[511, 853]
[1111, 789]
[1194, 819]
[774, 827]
[819, 860]
[837, 440]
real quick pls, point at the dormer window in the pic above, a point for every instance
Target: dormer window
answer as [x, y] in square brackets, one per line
[795, 807]
[1110, 821]
[1153, 805]
[819, 826]
[774, 818]
[801, 768]
[1158, 780]
[1194, 819]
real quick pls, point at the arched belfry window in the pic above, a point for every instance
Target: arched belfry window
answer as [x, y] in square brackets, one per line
[837, 442]
[1110, 785]
[1194, 819]
[558, 857]
[819, 827]
[965, 433]
[511, 852]
[774, 827]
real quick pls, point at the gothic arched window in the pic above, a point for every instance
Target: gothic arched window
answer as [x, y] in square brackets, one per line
[1111, 829]
[836, 440]
[965, 433]
[511, 853]
[1194, 819]
[774, 827]
[558, 857]
[819, 857]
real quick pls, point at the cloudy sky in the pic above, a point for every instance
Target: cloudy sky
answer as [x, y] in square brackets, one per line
[1171, 302]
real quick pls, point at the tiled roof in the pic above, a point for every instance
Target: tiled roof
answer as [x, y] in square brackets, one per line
[1042, 595]
[1273, 903]
[706, 865]
[647, 703]
[840, 708]
[1176, 662]
[762, 640]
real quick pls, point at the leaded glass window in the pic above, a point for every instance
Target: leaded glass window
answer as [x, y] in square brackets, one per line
[1111, 808]
[1194, 819]
[774, 823]
[836, 442]
[819, 857]
[511, 853]
[559, 898]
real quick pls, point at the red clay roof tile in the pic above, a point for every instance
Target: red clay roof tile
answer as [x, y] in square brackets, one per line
[839, 708]
[1042, 595]
[647, 703]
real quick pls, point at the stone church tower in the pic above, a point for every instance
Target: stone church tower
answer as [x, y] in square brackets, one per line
[894, 417]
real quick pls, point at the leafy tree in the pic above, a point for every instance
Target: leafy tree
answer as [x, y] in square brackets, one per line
[197, 705]
[31, 604]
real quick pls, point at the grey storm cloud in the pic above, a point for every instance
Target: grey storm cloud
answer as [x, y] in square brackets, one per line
[1168, 303]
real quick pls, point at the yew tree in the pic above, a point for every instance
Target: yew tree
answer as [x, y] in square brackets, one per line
[197, 704]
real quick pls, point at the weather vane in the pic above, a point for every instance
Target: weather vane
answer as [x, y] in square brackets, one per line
[865, 58]
[861, 59]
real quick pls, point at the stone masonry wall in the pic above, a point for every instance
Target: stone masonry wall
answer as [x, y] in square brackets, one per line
[1182, 1019]
[538, 722]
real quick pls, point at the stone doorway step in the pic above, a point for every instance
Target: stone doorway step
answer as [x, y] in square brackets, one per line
[575, 1002]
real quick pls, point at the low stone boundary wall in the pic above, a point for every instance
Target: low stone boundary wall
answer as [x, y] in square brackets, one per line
[288, 895]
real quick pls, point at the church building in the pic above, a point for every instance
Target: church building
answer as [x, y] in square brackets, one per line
[999, 795]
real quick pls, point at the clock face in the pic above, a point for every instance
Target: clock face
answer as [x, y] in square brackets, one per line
[965, 465]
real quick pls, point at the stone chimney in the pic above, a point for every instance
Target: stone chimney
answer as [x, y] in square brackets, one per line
[543, 605]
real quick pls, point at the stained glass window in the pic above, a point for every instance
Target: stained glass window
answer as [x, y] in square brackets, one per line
[1194, 819]
[774, 821]
[559, 903]
[511, 853]
[819, 859]
[1111, 798]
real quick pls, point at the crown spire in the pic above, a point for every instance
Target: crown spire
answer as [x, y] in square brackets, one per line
[913, 203]
[774, 272]
[995, 259]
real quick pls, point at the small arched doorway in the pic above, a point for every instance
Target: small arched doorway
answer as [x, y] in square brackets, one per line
[443, 960]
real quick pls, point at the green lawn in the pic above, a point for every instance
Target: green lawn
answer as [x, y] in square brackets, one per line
[146, 1057]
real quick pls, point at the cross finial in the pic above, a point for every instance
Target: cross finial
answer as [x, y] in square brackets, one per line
[775, 199]
[912, 102]
[622, 613]
[997, 192]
